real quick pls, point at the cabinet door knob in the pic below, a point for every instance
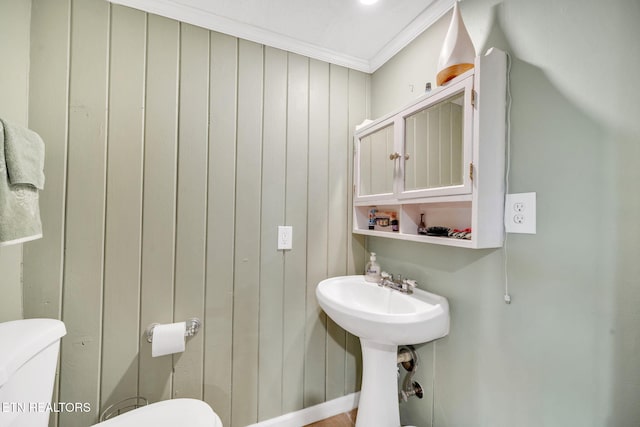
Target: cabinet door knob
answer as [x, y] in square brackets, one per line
[394, 156]
[406, 156]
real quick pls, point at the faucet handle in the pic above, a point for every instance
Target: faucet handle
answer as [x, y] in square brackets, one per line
[386, 276]
[409, 285]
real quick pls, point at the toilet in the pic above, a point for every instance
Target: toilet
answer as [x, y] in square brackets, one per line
[28, 358]
[167, 413]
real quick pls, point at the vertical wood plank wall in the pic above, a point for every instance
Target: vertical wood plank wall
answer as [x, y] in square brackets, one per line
[173, 153]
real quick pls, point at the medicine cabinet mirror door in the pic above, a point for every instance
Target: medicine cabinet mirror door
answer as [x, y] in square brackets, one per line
[374, 170]
[438, 144]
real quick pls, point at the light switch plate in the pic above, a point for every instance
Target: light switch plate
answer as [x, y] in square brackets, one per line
[285, 237]
[520, 213]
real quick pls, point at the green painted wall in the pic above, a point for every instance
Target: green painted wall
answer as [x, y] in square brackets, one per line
[565, 352]
[14, 95]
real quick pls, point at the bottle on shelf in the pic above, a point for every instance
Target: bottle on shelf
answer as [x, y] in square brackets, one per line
[395, 225]
[372, 218]
[422, 228]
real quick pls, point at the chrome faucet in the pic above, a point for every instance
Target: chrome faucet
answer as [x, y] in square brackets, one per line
[406, 286]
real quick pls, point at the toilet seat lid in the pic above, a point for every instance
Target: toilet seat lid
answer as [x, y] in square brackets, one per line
[167, 413]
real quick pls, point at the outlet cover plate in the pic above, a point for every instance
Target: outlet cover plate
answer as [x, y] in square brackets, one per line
[285, 237]
[520, 213]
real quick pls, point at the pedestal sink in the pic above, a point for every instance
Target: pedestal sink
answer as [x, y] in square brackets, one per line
[382, 318]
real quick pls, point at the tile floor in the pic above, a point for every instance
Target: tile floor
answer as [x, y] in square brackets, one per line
[343, 420]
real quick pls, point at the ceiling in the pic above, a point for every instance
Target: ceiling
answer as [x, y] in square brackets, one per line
[343, 32]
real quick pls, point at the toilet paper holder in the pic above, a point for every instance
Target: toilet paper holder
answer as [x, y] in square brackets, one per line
[193, 326]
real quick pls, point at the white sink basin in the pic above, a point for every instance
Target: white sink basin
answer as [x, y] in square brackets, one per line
[383, 315]
[382, 318]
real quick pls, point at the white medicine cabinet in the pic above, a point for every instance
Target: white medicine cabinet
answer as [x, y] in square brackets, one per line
[439, 161]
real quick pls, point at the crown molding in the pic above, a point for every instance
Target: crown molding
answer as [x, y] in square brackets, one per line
[423, 21]
[211, 21]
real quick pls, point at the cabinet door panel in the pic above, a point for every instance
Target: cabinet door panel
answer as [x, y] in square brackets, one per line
[433, 146]
[375, 167]
[437, 139]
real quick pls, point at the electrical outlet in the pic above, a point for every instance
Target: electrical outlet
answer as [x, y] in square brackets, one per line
[520, 213]
[285, 237]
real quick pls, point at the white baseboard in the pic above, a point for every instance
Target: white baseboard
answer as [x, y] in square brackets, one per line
[313, 414]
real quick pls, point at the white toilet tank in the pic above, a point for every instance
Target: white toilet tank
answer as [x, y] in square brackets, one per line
[28, 358]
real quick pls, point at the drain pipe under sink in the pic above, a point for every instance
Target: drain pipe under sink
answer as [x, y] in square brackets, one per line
[408, 358]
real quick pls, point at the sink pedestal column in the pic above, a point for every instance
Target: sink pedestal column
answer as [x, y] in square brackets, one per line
[379, 393]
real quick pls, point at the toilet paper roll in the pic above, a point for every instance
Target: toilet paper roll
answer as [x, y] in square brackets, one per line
[168, 339]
